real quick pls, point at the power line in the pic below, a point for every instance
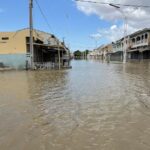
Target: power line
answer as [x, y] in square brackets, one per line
[42, 13]
[117, 4]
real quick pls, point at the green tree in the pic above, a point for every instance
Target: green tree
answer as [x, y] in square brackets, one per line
[77, 54]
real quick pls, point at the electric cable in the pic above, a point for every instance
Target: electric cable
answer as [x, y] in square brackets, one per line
[117, 4]
[44, 16]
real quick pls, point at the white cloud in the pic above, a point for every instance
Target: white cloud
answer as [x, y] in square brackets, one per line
[96, 36]
[107, 12]
[137, 18]
[114, 32]
[113, 27]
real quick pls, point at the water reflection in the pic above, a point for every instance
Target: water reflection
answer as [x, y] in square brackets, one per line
[93, 106]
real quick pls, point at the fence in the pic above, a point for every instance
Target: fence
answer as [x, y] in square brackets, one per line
[45, 65]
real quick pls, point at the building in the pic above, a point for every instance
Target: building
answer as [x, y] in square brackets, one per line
[139, 47]
[136, 45]
[106, 50]
[101, 52]
[117, 52]
[94, 54]
[48, 52]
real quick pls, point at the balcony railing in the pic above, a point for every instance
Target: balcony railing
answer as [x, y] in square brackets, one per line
[139, 43]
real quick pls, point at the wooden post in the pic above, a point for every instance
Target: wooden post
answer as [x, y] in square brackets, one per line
[58, 56]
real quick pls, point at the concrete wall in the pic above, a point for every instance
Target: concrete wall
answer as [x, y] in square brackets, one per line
[17, 61]
[16, 42]
[13, 49]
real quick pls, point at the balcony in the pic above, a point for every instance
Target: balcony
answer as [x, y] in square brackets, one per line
[139, 43]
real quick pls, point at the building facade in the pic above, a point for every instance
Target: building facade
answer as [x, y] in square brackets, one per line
[106, 50]
[139, 47]
[48, 50]
[117, 54]
[101, 52]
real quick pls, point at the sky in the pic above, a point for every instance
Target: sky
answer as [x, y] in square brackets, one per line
[81, 25]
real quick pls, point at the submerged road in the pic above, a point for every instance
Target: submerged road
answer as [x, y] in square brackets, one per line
[93, 106]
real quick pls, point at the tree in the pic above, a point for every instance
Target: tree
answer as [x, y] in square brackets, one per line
[77, 54]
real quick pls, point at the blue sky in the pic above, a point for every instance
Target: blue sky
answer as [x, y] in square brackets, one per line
[65, 19]
[63, 16]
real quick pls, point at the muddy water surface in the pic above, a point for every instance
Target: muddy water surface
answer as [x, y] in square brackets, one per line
[94, 106]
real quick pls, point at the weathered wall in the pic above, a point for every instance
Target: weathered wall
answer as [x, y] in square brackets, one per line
[17, 61]
[13, 49]
[15, 44]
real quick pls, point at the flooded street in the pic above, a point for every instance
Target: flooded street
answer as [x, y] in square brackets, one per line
[93, 106]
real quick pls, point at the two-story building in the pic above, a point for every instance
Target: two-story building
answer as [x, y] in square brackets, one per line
[96, 53]
[117, 52]
[106, 50]
[101, 52]
[139, 47]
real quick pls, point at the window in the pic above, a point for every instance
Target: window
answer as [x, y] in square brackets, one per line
[146, 36]
[52, 36]
[28, 39]
[138, 38]
[5, 38]
[133, 40]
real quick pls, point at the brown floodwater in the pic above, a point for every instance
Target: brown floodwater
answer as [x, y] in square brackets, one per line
[93, 106]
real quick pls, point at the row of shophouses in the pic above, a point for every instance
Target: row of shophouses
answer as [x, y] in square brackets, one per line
[136, 45]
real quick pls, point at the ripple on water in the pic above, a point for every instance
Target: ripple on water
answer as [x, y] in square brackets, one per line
[93, 106]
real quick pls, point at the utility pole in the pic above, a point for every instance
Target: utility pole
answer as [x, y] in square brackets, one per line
[125, 32]
[31, 34]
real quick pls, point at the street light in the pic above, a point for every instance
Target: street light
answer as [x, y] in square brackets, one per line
[125, 31]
